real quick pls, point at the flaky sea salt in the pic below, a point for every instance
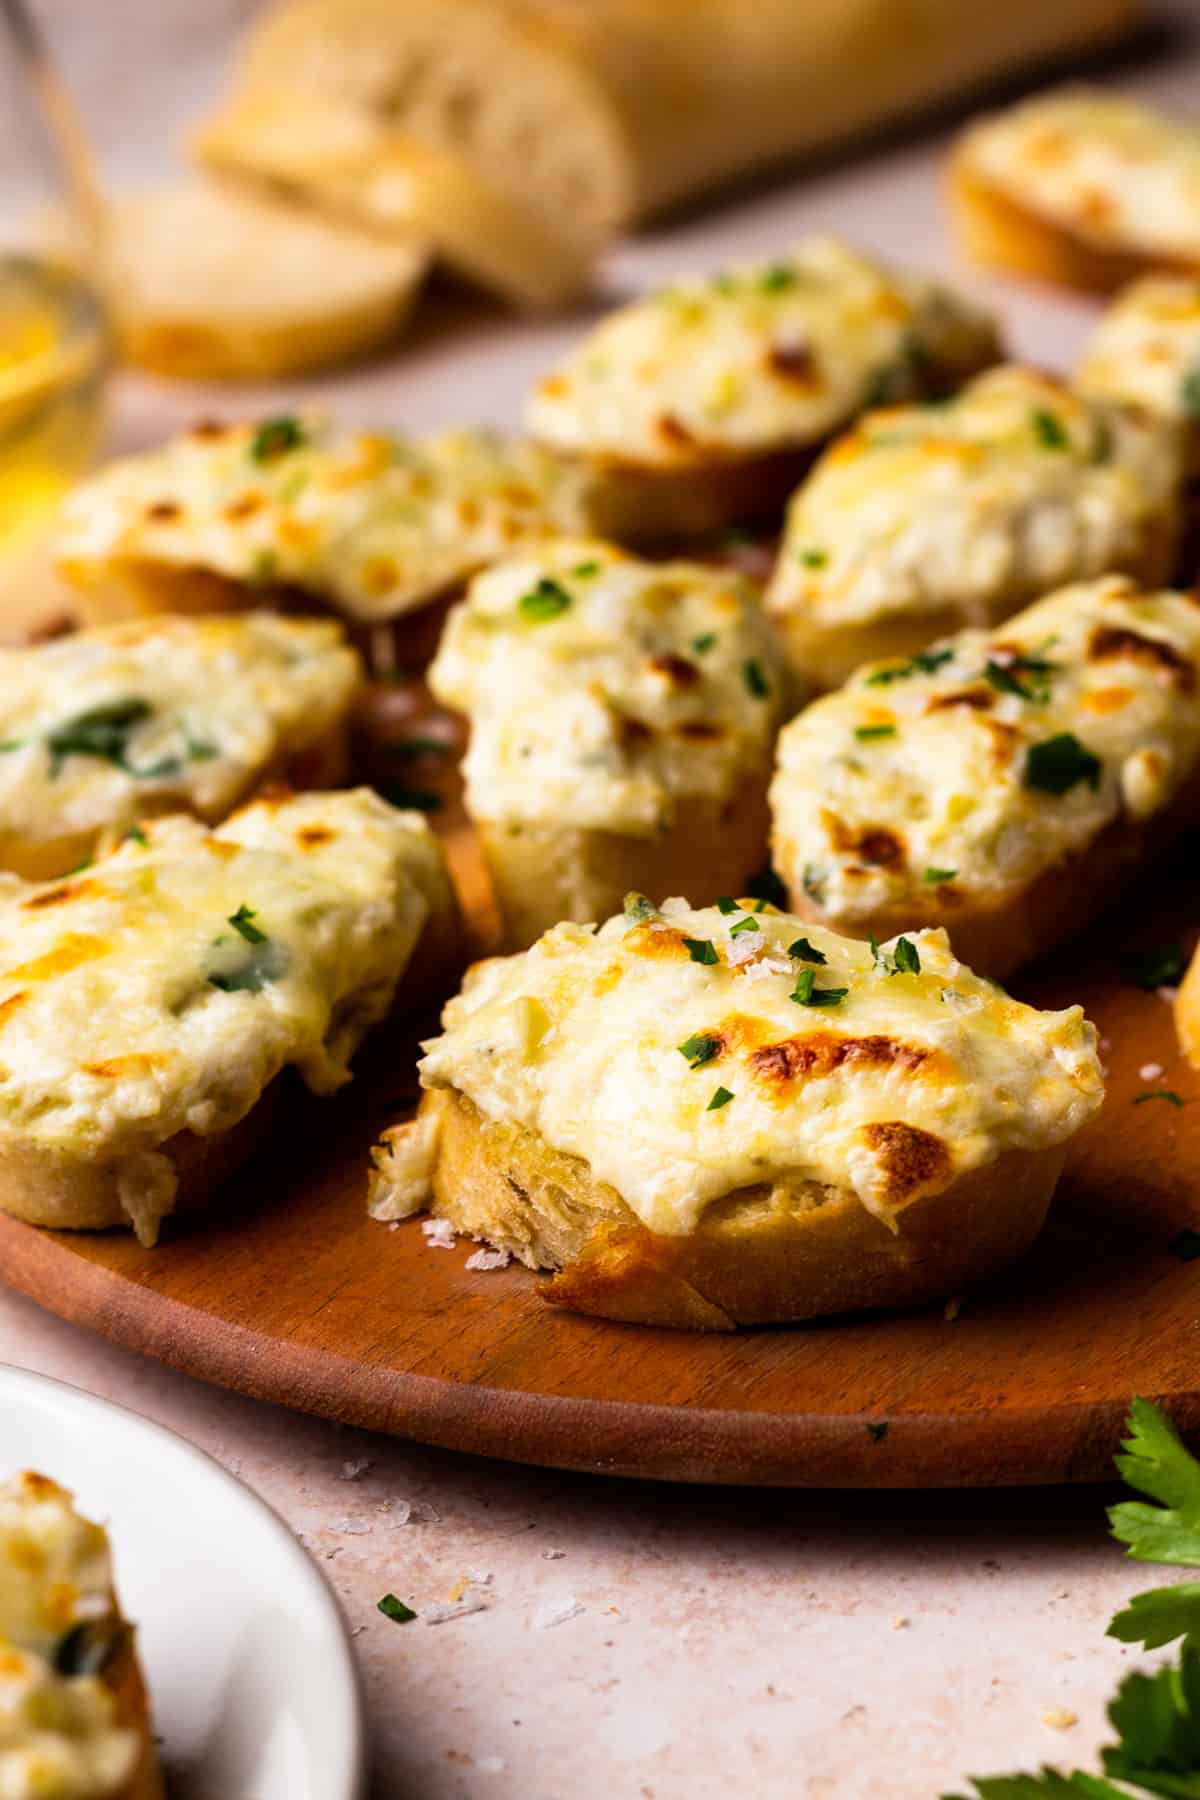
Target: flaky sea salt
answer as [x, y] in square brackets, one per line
[438, 1233]
[556, 1612]
[444, 1610]
[352, 1470]
[488, 1259]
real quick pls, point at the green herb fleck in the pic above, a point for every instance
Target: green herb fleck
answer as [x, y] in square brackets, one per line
[721, 1097]
[1167, 1094]
[936, 876]
[394, 1609]
[243, 923]
[806, 952]
[199, 751]
[249, 970]
[813, 883]
[702, 950]
[266, 567]
[548, 600]
[755, 677]
[726, 905]
[778, 277]
[742, 925]
[102, 731]
[903, 960]
[812, 558]
[1005, 677]
[698, 1050]
[1189, 393]
[11, 744]
[637, 907]
[275, 437]
[585, 570]
[806, 993]
[925, 662]
[704, 643]
[1059, 763]
[866, 734]
[1049, 430]
[1185, 1245]
[877, 1430]
[1160, 966]
[136, 835]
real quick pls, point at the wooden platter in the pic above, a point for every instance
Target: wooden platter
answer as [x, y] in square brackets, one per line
[288, 1292]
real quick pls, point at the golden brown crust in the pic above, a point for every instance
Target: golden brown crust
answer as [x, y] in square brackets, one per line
[760, 1255]
[541, 874]
[648, 504]
[1187, 1012]
[124, 1680]
[997, 232]
[999, 931]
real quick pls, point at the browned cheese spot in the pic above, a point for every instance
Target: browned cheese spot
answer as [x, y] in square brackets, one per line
[1113, 642]
[58, 896]
[699, 731]
[11, 1005]
[309, 836]
[874, 844]
[793, 361]
[820, 1054]
[982, 699]
[244, 507]
[908, 1158]
[161, 512]
[676, 670]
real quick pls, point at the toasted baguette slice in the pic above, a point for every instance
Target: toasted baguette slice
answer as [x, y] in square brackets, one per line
[1146, 352]
[217, 282]
[1187, 1013]
[158, 995]
[622, 718]
[1004, 787]
[695, 405]
[1080, 186]
[104, 728]
[924, 519]
[354, 166]
[73, 1704]
[290, 510]
[700, 1124]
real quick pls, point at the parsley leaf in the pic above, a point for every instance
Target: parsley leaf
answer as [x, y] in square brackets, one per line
[1159, 1616]
[778, 278]
[903, 960]
[548, 600]
[703, 644]
[726, 905]
[102, 731]
[702, 950]
[699, 1049]
[721, 1097]
[1189, 393]
[275, 437]
[935, 876]
[811, 557]
[1049, 430]
[585, 570]
[1167, 1094]
[865, 733]
[806, 993]
[755, 678]
[805, 951]
[394, 1609]
[925, 662]
[1160, 966]
[1005, 677]
[1156, 1462]
[1059, 763]
[742, 925]
[243, 923]
[136, 835]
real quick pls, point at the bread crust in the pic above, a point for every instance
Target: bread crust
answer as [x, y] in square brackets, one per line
[648, 504]
[994, 230]
[759, 1255]
[542, 874]
[998, 930]
[1187, 1012]
[124, 1680]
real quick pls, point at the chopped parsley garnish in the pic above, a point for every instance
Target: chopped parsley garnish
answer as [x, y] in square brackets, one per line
[805, 951]
[275, 437]
[548, 600]
[813, 883]
[1160, 966]
[877, 1430]
[755, 677]
[246, 966]
[243, 923]
[1006, 677]
[778, 277]
[1049, 430]
[411, 799]
[806, 993]
[726, 905]
[1059, 763]
[767, 887]
[102, 731]
[811, 557]
[698, 1050]
[136, 835]
[925, 662]
[721, 1097]
[704, 643]
[395, 1609]
[702, 950]
[1185, 1245]
[585, 570]
[1167, 1094]
[1189, 393]
[935, 876]
[636, 907]
[742, 925]
[867, 733]
[903, 960]
[199, 751]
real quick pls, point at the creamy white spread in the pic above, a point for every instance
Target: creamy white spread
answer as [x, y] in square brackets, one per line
[601, 689]
[1146, 349]
[762, 357]
[986, 760]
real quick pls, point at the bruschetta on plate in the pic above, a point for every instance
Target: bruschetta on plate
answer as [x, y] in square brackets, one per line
[1146, 352]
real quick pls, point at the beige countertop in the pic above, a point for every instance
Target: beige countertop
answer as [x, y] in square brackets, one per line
[634, 1640]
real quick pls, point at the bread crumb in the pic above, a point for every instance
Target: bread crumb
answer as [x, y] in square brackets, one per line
[899, 1622]
[439, 1234]
[440, 1612]
[556, 1612]
[351, 1527]
[553, 1555]
[1059, 1719]
[398, 1513]
[352, 1470]
[489, 1259]
[1150, 1071]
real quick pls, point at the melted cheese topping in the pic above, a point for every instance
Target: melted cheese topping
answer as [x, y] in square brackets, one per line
[372, 524]
[162, 714]
[906, 1083]
[160, 990]
[1098, 164]
[58, 1737]
[1011, 489]
[760, 358]
[1146, 349]
[601, 689]
[937, 765]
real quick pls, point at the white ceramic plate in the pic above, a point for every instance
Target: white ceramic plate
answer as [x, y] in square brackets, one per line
[252, 1681]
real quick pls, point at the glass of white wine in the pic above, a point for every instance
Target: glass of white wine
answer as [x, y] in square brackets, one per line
[54, 338]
